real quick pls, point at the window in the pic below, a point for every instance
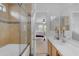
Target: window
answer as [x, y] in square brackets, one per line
[1, 8]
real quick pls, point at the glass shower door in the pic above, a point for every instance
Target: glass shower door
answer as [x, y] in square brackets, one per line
[15, 29]
[23, 29]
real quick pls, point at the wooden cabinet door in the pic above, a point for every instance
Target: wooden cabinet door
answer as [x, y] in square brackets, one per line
[49, 49]
[54, 51]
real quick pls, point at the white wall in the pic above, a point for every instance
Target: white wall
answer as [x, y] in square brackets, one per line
[57, 9]
[75, 26]
[75, 22]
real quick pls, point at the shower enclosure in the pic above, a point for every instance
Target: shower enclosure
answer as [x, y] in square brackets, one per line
[14, 29]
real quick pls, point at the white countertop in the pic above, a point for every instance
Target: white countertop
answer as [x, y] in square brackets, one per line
[69, 48]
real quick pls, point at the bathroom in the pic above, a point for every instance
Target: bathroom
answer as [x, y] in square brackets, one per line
[39, 29]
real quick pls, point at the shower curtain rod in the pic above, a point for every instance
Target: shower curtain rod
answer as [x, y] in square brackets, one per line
[9, 22]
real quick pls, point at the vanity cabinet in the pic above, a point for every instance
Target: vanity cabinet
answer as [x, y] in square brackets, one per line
[52, 51]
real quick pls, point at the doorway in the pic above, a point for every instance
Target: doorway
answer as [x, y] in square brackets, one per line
[40, 38]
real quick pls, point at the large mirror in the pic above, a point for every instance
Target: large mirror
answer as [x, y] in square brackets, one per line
[60, 27]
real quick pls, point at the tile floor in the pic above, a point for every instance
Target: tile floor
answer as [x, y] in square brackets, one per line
[41, 47]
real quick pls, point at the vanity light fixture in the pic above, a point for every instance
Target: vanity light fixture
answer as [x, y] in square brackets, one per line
[44, 21]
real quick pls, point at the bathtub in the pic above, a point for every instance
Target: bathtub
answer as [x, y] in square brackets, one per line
[12, 49]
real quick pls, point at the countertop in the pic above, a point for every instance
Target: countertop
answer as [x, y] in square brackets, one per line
[68, 48]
